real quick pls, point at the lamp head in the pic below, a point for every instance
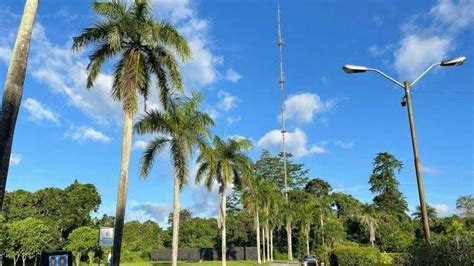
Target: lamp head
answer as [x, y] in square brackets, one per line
[458, 61]
[349, 69]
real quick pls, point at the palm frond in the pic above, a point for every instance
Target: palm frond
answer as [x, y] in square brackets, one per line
[153, 147]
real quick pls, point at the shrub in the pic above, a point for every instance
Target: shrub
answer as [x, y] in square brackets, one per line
[400, 258]
[445, 250]
[322, 254]
[353, 255]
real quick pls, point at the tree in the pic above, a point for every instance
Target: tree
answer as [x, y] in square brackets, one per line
[346, 205]
[384, 183]
[182, 128]
[368, 218]
[83, 240]
[251, 199]
[224, 162]
[27, 238]
[318, 187]
[144, 48]
[13, 90]
[184, 215]
[3, 237]
[465, 204]
[431, 213]
[139, 239]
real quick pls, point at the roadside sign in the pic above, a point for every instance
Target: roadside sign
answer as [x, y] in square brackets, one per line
[106, 237]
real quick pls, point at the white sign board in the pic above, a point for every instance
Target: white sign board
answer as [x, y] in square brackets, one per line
[106, 237]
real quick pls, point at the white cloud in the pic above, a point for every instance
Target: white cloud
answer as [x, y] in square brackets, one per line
[84, 133]
[227, 101]
[442, 210]
[38, 112]
[175, 10]
[157, 212]
[15, 159]
[429, 170]
[139, 145]
[296, 143]
[232, 75]
[344, 145]
[205, 202]
[428, 38]
[5, 54]
[379, 51]
[416, 53]
[303, 107]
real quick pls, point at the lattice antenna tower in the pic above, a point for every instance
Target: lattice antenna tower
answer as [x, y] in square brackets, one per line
[281, 81]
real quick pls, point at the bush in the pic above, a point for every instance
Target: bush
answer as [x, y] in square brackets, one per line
[353, 255]
[445, 250]
[322, 254]
[400, 258]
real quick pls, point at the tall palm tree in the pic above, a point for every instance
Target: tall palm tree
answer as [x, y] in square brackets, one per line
[224, 162]
[143, 48]
[431, 212]
[288, 216]
[306, 217]
[251, 199]
[322, 212]
[13, 90]
[181, 128]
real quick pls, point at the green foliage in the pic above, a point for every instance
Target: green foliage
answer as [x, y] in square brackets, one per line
[354, 255]
[445, 250]
[140, 238]
[240, 231]
[346, 205]
[184, 215]
[465, 204]
[332, 231]
[383, 182]
[83, 240]
[318, 187]
[395, 232]
[27, 238]
[432, 215]
[323, 253]
[271, 167]
[400, 258]
[199, 233]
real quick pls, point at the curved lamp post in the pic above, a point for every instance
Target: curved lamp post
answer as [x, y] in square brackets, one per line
[406, 101]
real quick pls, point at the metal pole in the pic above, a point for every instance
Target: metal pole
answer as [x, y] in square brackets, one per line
[419, 178]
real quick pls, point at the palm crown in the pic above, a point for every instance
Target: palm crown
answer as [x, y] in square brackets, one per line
[181, 128]
[144, 48]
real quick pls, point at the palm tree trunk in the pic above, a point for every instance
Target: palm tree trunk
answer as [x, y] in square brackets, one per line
[263, 245]
[322, 224]
[122, 189]
[224, 248]
[257, 226]
[13, 90]
[23, 258]
[307, 239]
[288, 240]
[176, 209]
[78, 258]
[267, 235]
[271, 244]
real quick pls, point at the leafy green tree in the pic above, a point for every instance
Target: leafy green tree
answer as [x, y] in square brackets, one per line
[18, 205]
[83, 240]
[346, 205]
[396, 232]
[224, 163]
[368, 217]
[465, 204]
[144, 48]
[139, 239]
[184, 215]
[384, 183]
[182, 128]
[333, 232]
[271, 167]
[13, 90]
[3, 236]
[199, 233]
[27, 238]
[318, 187]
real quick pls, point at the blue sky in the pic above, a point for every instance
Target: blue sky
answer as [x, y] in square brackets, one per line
[336, 122]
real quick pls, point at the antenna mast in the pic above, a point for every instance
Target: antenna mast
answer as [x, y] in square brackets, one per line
[281, 81]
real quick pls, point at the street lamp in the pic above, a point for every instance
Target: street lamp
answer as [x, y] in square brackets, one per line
[406, 101]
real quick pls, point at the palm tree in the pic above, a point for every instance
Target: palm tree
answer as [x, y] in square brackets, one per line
[288, 215]
[322, 212]
[224, 163]
[432, 214]
[251, 201]
[13, 90]
[367, 217]
[143, 48]
[182, 128]
[306, 217]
